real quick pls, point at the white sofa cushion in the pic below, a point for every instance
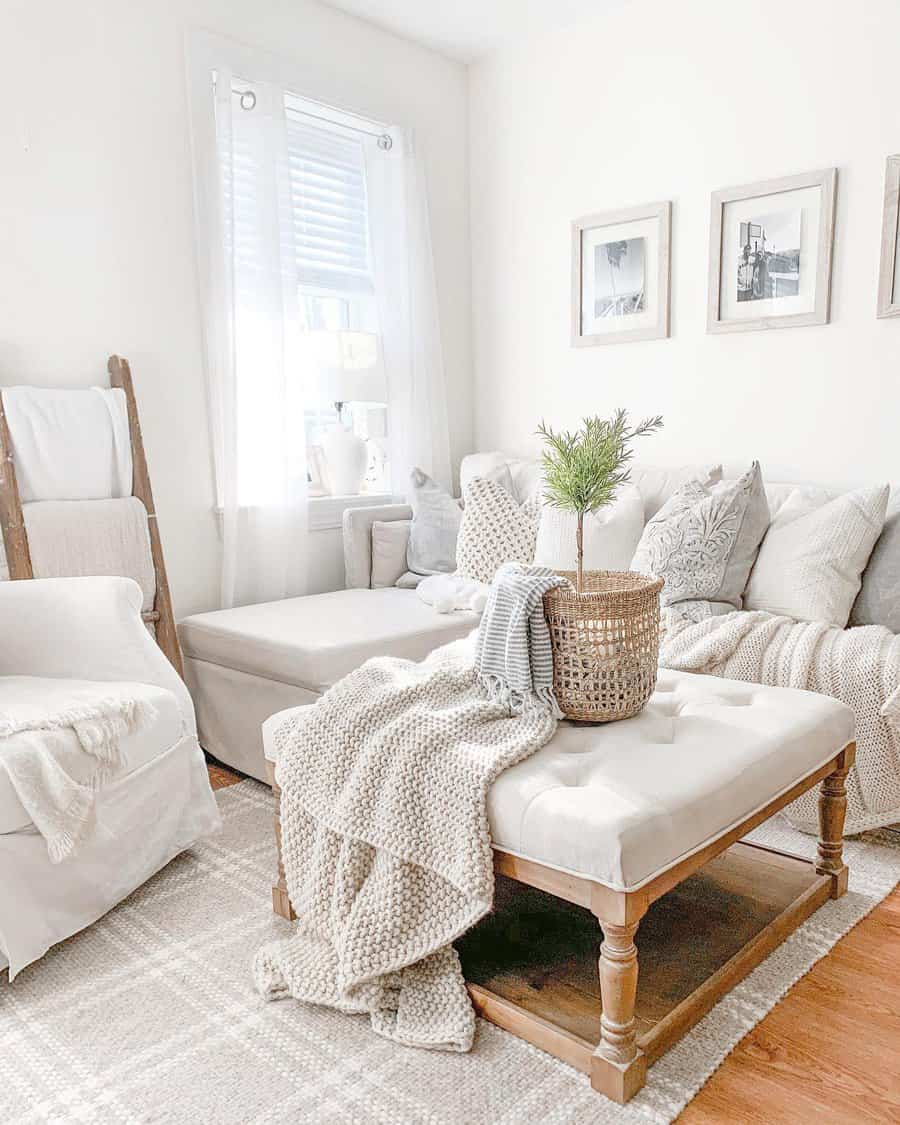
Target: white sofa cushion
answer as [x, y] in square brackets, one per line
[313, 641]
[623, 802]
[524, 478]
[357, 535]
[655, 485]
[812, 558]
[135, 749]
[658, 485]
[389, 542]
[611, 534]
[879, 599]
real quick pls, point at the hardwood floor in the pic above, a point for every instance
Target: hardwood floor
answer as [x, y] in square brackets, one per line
[220, 777]
[828, 1054]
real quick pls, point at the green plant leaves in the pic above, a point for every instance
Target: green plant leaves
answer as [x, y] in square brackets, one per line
[584, 470]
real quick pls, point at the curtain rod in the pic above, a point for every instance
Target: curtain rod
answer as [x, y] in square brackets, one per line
[247, 100]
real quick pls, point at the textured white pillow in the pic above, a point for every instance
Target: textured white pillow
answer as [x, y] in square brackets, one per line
[495, 529]
[811, 561]
[610, 534]
[703, 541]
[389, 540]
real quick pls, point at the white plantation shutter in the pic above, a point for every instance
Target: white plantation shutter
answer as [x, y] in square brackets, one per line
[328, 206]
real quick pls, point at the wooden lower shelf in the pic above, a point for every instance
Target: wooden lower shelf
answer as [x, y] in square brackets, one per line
[535, 956]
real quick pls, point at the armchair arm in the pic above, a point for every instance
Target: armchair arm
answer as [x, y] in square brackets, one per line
[84, 629]
[357, 529]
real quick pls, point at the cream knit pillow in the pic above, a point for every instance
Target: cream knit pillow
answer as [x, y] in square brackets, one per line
[495, 529]
[811, 561]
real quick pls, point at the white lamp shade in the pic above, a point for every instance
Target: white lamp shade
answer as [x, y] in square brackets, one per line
[349, 366]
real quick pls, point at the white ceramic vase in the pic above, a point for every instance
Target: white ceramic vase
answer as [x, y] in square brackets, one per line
[346, 458]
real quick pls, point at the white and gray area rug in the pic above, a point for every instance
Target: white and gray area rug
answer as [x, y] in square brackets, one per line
[150, 1015]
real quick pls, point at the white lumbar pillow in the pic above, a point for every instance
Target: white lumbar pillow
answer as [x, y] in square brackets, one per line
[611, 534]
[811, 561]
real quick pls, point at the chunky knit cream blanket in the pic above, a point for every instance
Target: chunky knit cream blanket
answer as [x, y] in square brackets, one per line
[860, 666]
[385, 840]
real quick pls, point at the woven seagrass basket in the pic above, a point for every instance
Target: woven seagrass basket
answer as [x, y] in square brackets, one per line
[605, 643]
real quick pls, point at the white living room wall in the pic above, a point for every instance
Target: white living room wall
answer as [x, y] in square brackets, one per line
[654, 100]
[96, 220]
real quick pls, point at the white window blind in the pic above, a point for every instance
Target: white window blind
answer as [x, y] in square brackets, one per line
[328, 204]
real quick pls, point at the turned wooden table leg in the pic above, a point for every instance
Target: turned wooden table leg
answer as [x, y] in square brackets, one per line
[281, 901]
[618, 1067]
[832, 809]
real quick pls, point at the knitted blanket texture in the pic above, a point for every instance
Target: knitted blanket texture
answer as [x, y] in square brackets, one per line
[385, 839]
[859, 666]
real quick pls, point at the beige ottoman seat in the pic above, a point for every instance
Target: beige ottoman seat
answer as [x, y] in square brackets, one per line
[622, 802]
[242, 665]
[612, 817]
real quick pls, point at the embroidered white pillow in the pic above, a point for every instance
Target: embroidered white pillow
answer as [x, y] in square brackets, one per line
[811, 561]
[703, 541]
[495, 529]
[611, 534]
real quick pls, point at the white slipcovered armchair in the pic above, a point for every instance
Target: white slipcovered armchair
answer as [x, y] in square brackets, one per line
[157, 800]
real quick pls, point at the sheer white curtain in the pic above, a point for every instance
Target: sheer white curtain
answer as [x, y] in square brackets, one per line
[252, 317]
[403, 268]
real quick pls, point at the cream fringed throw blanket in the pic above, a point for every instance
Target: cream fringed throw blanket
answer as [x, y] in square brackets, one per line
[859, 666]
[46, 767]
[384, 830]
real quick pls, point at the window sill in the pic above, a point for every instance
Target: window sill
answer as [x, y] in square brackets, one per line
[326, 512]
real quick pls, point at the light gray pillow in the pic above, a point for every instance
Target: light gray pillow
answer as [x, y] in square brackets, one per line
[878, 602]
[434, 528]
[703, 541]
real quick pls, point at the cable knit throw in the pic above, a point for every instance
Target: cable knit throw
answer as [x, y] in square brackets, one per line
[384, 827]
[860, 666]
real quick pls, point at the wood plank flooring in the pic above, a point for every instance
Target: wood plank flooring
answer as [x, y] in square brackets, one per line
[828, 1054]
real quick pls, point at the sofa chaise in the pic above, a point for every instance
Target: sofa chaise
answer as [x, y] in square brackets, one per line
[244, 664]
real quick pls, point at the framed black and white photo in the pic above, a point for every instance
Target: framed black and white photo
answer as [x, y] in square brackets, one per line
[889, 276]
[770, 251]
[620, 275]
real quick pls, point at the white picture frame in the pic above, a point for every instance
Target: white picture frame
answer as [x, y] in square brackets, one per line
[889, 273]
[635, 244]
[746, 226]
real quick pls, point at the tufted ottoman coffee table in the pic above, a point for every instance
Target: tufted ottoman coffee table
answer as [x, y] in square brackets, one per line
[640, 820]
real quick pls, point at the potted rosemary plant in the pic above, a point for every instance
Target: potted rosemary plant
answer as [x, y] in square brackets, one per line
[584, 470]
[604, 630]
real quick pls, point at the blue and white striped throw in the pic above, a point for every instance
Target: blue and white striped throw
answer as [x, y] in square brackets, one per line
[513, 657]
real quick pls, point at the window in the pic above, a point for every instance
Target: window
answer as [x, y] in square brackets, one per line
[334, 269]
[329, 243]
[319, 297]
